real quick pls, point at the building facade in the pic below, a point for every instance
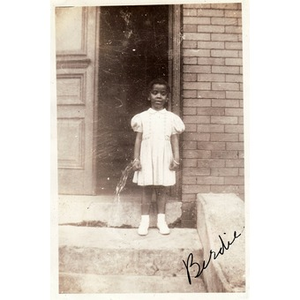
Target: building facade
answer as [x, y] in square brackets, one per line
[97, 79]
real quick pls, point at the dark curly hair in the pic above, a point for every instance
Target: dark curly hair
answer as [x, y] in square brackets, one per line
[158, 81]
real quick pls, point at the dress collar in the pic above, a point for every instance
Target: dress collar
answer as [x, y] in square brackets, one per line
[153, 111]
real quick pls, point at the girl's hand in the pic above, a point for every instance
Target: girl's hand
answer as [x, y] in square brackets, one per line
[136, 165]
[174, 165]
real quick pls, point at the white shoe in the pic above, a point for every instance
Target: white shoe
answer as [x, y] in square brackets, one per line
[163, 228]
[144, 225]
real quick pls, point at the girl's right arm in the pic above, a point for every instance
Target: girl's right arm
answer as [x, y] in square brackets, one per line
[137, 150]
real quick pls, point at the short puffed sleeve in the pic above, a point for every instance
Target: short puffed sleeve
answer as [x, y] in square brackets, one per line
[136, 123]
[177, 125]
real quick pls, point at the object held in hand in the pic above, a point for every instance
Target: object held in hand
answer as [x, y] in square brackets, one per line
[176, 162]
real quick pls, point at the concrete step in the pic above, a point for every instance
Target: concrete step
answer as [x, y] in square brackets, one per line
[115, 258]
[105, 211]
[116, 284]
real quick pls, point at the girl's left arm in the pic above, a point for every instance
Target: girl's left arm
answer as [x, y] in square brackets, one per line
[175, 149]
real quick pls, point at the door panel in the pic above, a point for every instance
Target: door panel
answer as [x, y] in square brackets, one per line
[76, 46]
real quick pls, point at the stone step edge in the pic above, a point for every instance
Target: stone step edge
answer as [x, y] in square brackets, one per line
[218, 213]
[91, 283]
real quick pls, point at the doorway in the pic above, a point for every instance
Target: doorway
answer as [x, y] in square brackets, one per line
[135, 46]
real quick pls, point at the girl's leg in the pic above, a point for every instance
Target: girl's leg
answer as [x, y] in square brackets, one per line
[145, 206]
[146, 199]
[161, 199]
[161, 209]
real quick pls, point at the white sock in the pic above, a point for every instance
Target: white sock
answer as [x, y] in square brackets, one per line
[161, 218]
[145, 218]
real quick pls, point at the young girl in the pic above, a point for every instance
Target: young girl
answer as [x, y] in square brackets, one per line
[156, 153]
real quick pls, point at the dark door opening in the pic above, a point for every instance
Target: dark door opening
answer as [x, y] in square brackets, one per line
[133, 51]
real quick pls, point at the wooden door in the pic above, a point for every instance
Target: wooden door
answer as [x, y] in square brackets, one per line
[76, 49]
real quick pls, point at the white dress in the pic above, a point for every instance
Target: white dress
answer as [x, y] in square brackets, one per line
[156, 151]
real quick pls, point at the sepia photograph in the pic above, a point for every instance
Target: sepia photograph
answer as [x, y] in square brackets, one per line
[150, 139]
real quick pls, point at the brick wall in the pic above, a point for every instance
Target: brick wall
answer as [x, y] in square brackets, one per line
[212, 103]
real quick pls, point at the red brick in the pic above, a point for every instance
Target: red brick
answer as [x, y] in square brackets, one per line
[197, 69]
[210, 13]
[210, 163]
[196, 6]
[241, 154]
[241, 172]
[225, 189]
[197, 85]
[233, 180]
[225, 86]
[211, 61]
[197, 36]
[210, 180]
[188, 198]
[196, 137]
[226, 69]
[211, 111]
[189, 180]
[211, 45]
[191, 188]
[211, 146]
[224, 172]
[230, 6]
[189, 145]
[225, 103]
[226, 37]
[224, 154]
[189, 111]
[197, 102]
[190, 128]
[188, 172]
[234, 128]
[189, 94]
[189, 44]
[240, 22]
[233, 13]
[189, 77]
[233, 61]
[224, 21]
[196, 20]
[196, 119]
[233, 45]
[196, 52]
[234, 146]
[234, 95]
[233, 112]
[190, 60]
[189, 12]
[187, 163]
[190, 28]
[234, 78]
[210, 128]
[223, 120]
[235, 163]
[211, 77]
[224, 53]
[210, 29]
[233, 29]
[211, 94]
[196, 154]
[225, 137]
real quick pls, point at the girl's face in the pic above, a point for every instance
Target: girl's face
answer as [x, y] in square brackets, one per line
[158, 96]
